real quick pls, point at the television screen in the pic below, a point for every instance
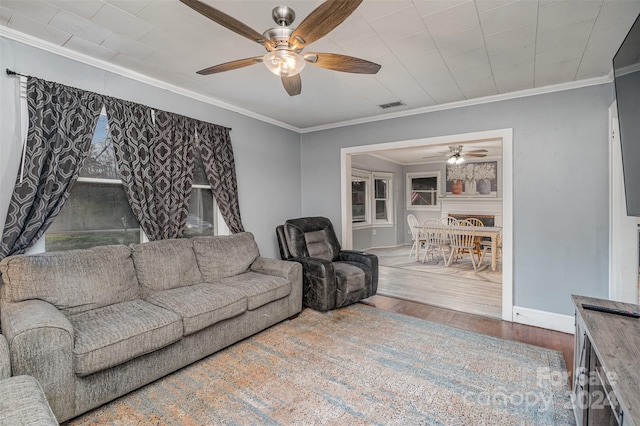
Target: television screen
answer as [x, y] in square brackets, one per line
[626, 67]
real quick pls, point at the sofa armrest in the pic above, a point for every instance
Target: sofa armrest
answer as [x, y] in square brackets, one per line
[5, 360]
[41, 342]
[319, 279]
[278, 268]
[368, 259]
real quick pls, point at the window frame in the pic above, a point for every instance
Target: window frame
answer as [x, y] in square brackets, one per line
[436, 193]
[358, 175]
[370, 202]
[389, 198]
[40, 245]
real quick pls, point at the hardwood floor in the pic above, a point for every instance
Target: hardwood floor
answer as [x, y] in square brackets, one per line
[458, 286]
[550, 339]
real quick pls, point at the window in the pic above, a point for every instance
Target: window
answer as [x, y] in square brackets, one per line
[360, 183]
[371, 200]
[382, 198]
[422, 190]
[97, 212]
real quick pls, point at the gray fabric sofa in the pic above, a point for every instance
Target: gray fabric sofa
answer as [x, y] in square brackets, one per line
[22, 401]
[92, 325]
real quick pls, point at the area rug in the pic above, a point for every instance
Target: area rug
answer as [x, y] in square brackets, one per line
[398, 257]
[356, 365]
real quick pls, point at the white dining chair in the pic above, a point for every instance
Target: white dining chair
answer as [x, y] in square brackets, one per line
[416, 234]
[436, 240]
[449, 221]
[462, 241]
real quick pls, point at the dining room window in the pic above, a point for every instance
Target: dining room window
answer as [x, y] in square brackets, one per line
[371, 198]
[423, 190]
[360, 188]
[382, 198]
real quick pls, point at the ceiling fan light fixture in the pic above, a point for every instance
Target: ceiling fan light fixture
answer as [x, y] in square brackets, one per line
[284, 63]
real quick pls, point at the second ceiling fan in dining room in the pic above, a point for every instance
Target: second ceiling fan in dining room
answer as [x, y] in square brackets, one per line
[284, 44]
[456, 155]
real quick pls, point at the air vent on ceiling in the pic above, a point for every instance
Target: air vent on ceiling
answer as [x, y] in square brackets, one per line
[391, 105]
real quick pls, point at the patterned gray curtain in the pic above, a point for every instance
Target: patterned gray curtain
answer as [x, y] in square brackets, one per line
[155, 161]
[62, 120]
[133, 134]
[219, 165]
[173, 158]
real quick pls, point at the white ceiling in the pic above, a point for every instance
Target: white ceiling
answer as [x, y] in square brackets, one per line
[432, 52]
[428, 154]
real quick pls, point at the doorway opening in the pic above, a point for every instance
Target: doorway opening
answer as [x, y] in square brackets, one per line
[504, 215]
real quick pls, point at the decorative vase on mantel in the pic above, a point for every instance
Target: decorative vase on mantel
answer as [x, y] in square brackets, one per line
[484, 186]
[470, 187]
[456, 187]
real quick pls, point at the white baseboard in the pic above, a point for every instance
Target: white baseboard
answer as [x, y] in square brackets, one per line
[544, 319]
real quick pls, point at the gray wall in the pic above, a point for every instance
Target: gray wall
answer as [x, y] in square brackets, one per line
[267, 157]
[560, 183]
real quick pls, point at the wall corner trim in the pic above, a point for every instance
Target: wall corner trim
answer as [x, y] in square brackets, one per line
[544, 319]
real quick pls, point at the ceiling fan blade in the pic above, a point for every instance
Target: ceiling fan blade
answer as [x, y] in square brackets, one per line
[321, 21]
[293, 85]
[233, 65]
[476, 150]
[228, 22]
[466, 154]
[344, 63]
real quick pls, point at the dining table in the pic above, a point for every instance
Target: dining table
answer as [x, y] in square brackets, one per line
[492, 232]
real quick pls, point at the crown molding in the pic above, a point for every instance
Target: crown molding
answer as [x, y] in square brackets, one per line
[125, 72]
[470, 102]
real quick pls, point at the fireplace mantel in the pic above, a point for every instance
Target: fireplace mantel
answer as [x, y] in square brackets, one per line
[472, 206]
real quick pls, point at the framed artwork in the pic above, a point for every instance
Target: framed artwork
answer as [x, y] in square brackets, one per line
[473, 179]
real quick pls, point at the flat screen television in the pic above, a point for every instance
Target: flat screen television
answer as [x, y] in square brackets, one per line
[626, 70]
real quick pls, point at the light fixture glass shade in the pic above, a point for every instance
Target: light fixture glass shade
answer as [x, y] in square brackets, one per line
[284, 63]
[455, 159]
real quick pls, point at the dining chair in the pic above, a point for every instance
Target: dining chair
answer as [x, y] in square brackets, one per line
[436, 240]
[416, 234]
[462, 241]
[476, 222]
[449, 221]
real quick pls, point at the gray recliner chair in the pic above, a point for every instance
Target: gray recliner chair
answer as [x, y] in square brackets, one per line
[332, 277]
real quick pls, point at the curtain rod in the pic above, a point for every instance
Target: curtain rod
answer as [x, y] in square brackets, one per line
[12, 72]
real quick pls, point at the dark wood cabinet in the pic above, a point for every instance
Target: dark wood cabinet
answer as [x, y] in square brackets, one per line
[606, 380]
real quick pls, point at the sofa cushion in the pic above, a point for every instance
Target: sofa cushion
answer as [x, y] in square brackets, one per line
[224, 256]
[260, 289]
[22, 402]
[165, 264]
[73, 281]
[114, 334]
[201, 305]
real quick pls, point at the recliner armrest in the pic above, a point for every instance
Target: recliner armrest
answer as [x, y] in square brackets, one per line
[368, 259]
[319, 280]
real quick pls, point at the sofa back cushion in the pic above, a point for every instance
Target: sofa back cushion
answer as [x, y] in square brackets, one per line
[225, 256]
[73, 281]
[165, 264]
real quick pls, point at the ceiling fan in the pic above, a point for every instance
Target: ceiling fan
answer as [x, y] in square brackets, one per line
[284, 44]
[455, 155]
